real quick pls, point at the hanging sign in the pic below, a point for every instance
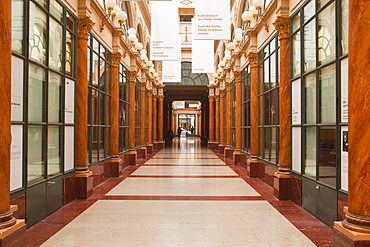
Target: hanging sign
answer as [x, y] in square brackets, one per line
[164, 25]
[172, 69]
[203, 58]
[212, 19]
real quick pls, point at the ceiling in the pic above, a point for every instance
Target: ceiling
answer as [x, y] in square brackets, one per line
[186, 92]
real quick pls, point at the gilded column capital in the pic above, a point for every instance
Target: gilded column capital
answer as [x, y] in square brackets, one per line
[143, 86]
[160, 98]
[282, 25]
[253, 59]
[85, 24]
[116, 59]
[211, 98]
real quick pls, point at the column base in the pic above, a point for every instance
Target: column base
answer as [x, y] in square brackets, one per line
[239, 158]
[252, 167]
[158, 145]
[212, 145]
[14, 236]
[229, 153]
[149, 149]
[116, 167]
[141, 153]
[342, 237]
[221, 149]
[84, 185]
[282, 186]
[130, 158]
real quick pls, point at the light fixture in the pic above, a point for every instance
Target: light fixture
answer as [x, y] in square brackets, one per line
[238, 31]
[139, 46]
[219, 71]
[152, 70]
[132, 38]
[155, 75]
[221, 64]
[238, 38]
[247, 16]
[132, 31]
[215, 75]
[231, 46]
[143, 51]
[149, 63]
[258, 4]
[227, 52]
[115, 11]
[254, 12]
[144, 58]
[227, 57]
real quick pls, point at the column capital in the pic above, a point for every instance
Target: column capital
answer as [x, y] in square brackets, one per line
[253, 59]
[211, 98]
[160, 98]
[85, 24]
[116, 59]
[282, 25]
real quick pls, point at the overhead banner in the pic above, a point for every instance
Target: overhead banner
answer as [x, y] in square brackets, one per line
[164, 25]
[172, 69]
[212, 19]
[203, 58]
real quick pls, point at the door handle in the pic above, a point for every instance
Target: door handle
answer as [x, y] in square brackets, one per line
[317, 187]
[50, 182]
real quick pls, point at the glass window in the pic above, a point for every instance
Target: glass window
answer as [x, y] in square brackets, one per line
[36, 147]
[296, 43]
[36, 94]
[310, 98]
[54, 98]
[54, 157]
[17, 25]
[327, 84]
[309, 46]
[327, 156]
[310, 152]
[309, 11]
[296, 22]
[56, 10]
[55, 45]
[69, 53]
[326, 35]
[37, 35]
[344, 27]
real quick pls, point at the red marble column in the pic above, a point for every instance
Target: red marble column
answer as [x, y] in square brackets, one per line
[84, 182]
[221, 146]
[149, 146]
[217, 120]
[238, 126]
[160, 117]
[355, 229]
[141, 152]
[6, 215]
[155, 116]
[252, 163]
[132, 154]
[211, 100]
[282, 176]
[115, 161]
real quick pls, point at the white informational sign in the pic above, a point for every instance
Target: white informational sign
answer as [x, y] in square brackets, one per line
[172, 69]
[296, 102]
[344, 90]
[164, 25]
[17, 89]
[203, 58]
[69, 110]
[69, 147]
[296, 149]
[16, 156]
[212, 19]
[344, 158]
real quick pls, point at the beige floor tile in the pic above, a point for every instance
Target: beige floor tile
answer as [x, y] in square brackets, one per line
[179, 235]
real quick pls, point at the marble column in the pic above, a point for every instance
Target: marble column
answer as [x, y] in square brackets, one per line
[132, 154]
[238, 126]
[221, 146]
[252, 163]
[217, 120]
[115, 161]
[282, 176]
[12, 231]
[355, 229]
[149, 146]
[228, 152]
[84, 180]
[155, 116]
[211, 100]
[141, 152]
[160, 117]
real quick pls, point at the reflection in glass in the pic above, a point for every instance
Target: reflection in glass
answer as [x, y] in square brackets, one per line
[54, 158]
[36, 94]
[273, 72]
[56, 10]
[327, 156]
[296, 22]
[309, 46]
[321, 3]
[310, 98]
[35, 161]
[69, 60]
[309, 11]
[37, 35]
[266, 77]
[54, 98]
[17, 26]
[326, 35]
[327, 95]
[310, 152]
[344, 27]
[55, 45]
[296, 66]
[273, 145]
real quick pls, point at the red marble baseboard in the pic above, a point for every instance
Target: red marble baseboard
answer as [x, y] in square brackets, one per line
[14, 236]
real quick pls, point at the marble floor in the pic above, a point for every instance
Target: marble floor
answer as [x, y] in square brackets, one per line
[182, 196]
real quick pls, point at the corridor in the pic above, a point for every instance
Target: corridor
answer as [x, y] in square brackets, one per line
[182, 196]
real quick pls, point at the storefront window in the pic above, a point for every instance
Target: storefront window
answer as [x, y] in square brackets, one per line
[124, 76]
[17, 25]
[246, 102]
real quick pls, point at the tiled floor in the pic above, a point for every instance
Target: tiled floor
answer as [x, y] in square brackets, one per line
[183, 196]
